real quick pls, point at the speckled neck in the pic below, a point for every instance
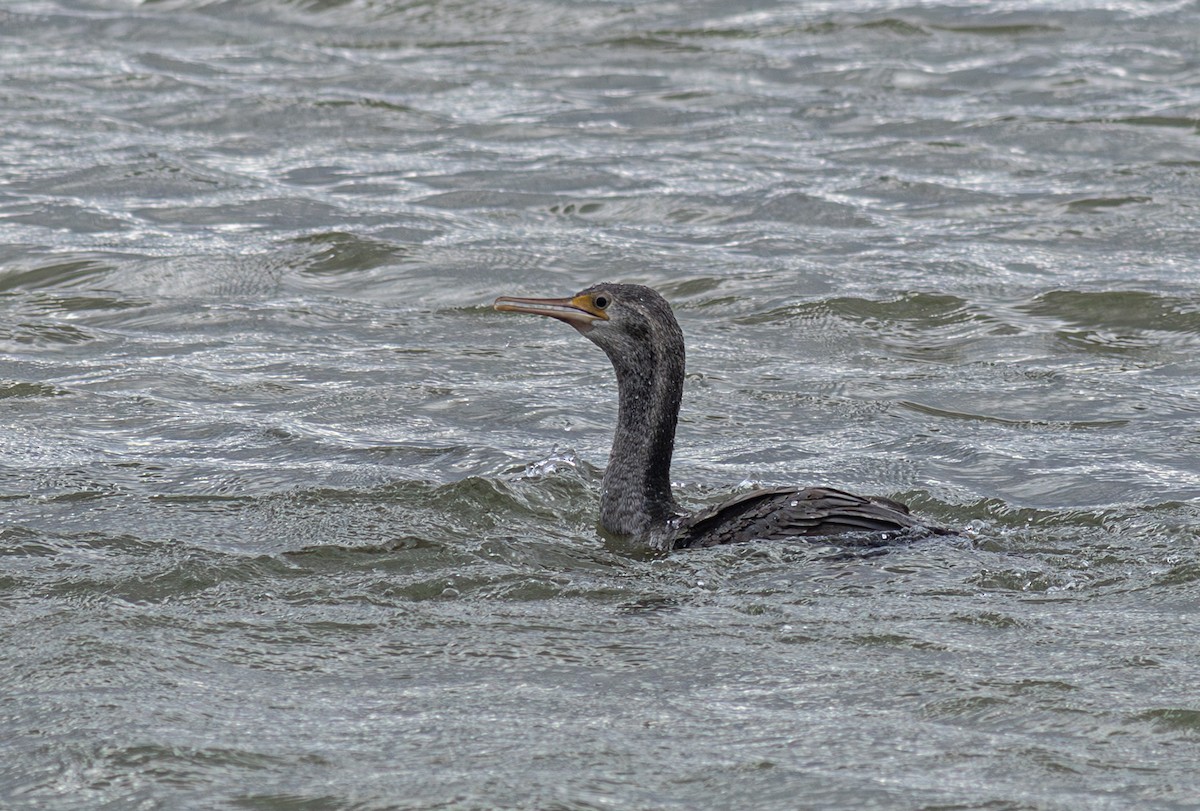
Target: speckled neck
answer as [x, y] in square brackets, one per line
[636, 499]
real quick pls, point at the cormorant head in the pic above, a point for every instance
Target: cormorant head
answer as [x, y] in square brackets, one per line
[625, 320]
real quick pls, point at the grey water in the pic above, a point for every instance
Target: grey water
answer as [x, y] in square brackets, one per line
[291, 519]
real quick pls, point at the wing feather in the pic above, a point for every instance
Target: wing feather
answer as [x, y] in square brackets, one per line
[791, 512]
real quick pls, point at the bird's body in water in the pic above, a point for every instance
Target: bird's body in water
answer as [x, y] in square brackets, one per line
[636, 328]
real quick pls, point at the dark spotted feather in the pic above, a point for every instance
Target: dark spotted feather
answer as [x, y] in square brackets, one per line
[791, 512]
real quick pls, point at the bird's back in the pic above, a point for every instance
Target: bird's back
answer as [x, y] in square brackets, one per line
[791, 512]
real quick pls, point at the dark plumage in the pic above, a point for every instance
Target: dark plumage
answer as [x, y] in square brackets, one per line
[636, 328]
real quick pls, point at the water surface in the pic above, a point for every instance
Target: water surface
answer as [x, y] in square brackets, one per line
[292, 520]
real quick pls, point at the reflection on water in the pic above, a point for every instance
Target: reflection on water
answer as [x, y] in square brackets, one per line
[292, 519]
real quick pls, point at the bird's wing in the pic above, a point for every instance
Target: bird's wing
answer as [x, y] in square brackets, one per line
[791, 512]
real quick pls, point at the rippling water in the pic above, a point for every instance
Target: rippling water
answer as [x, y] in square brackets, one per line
[292, 520]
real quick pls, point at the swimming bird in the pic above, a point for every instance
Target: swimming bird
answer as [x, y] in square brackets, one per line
[636, 328]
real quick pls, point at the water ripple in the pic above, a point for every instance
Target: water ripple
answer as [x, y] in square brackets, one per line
[292, 518]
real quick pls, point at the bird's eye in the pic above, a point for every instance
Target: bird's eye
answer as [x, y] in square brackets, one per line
[600, 301]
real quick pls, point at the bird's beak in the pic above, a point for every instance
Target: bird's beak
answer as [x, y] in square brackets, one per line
[579, 312]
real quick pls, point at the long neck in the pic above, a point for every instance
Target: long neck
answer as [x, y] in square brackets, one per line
[636, 499]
